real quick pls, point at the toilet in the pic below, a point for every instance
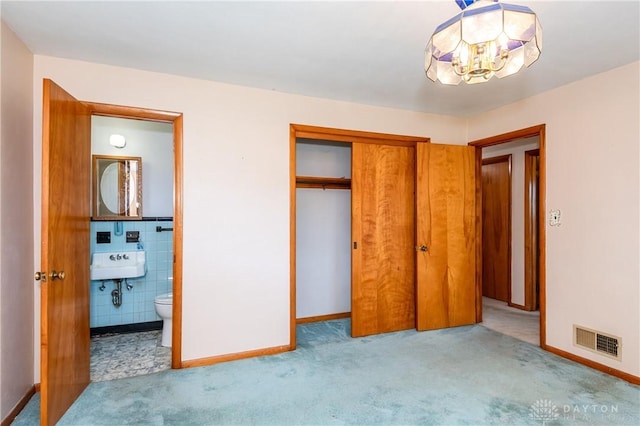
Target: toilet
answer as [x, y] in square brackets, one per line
[164, 309]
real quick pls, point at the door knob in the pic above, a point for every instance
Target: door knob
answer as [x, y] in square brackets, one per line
[40, 276]
[423, 248]
[56, 275]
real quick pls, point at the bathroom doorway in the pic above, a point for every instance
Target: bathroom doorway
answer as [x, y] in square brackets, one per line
[126, 330]
[174, 237]
[64, 272]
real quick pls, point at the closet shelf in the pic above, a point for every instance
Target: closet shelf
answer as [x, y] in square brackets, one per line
[322, 182]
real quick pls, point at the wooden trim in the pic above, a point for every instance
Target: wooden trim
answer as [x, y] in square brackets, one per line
[178, 185]
[509, 136]
[10, 417]
[351, 136]
[539, 131]
[542, 235]
[515, 305]
[531, 242]
[593, 364]
[201, 362]
[319, 318]
[478, 152]
[132, 112]
[498, 159]
[292, 238]
[176, 119]
[322, 182]
[37, 387]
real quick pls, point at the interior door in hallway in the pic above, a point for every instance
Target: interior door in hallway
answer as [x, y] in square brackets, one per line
[531, 231]
[496, 228]
[445, 236]
[383, 238]
[64, 322]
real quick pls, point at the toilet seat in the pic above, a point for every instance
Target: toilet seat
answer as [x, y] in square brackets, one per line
[164, 299]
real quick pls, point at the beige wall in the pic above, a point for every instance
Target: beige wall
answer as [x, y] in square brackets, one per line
[236, 188]
[592, 147]
[16, 221]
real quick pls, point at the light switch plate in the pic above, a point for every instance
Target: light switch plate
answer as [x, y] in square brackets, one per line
[554, 218]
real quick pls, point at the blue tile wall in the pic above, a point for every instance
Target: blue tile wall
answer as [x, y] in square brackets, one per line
[137, 303]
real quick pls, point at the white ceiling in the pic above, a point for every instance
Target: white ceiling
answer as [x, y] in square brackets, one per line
[364, 52]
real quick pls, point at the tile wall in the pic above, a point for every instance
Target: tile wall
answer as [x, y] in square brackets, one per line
[137, 303]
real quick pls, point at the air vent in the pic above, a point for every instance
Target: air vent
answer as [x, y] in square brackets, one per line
[597, 342]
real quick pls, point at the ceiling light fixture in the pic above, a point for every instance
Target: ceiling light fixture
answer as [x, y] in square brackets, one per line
[117, 140]
[487, 38]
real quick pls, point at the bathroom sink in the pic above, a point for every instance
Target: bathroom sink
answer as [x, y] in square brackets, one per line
[118, 265]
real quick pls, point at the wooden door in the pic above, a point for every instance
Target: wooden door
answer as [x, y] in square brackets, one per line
[383, 261]
[496, 228]
[66, 164]
[531, 232]
[445, 235]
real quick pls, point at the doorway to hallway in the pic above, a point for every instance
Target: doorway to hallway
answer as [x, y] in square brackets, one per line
[527, 245]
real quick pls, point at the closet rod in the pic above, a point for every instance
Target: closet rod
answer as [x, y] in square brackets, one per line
[322, 182]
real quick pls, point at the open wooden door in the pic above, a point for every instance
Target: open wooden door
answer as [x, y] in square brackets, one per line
[496, 228]
[383, 238]
[445, 234]
[66, 166]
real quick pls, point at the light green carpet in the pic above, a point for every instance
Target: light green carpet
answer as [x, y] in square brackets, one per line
[465, 375]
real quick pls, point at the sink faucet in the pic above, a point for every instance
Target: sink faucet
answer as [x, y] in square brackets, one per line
[112, 257]
[119, 256]
[125, 256]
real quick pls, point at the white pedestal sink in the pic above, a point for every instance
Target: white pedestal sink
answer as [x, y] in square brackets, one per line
[118, 265]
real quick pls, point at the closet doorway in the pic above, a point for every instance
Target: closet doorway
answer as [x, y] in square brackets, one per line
[412, 220]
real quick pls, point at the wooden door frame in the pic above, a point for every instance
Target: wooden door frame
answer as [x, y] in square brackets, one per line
[175, 119]
[324, 134]
[531, 243]
[508, 158]
[538, 130]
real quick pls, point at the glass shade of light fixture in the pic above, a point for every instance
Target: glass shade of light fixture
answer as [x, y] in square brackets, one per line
[487, 38]
[117, 140]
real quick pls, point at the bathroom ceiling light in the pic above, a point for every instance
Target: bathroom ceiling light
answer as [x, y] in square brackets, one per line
[117, 140]
[487, 38]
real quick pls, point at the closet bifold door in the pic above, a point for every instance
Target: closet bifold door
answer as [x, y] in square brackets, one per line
[445, 234]
[383, 238]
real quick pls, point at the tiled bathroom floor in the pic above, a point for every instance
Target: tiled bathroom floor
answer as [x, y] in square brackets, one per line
[115, 356]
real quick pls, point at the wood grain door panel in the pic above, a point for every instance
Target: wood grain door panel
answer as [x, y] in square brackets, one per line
[496, 228]
[66, 166]
[531, 233]
[383, 265]
[445, 224]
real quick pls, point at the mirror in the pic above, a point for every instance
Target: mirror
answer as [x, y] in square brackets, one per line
[117, 187]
